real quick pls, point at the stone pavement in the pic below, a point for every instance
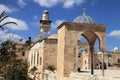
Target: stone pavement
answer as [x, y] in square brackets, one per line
[107, 73]
[86, 75]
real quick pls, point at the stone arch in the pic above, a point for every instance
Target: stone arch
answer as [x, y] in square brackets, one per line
[95, 36]
[68, 34]
[83, 47]
[83, 44]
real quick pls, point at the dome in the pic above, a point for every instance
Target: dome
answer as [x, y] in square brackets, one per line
[41, 35]
[54, 36]
[45, 11]
[84, 18]
[116, 49]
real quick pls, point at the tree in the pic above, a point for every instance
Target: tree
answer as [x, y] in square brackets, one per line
[32, 70]
[51, 68]
[10, 67]
[18, 71]
[28, 43]
[2, 18]
[7, 55]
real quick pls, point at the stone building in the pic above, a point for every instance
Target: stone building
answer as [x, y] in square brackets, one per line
[63, 51]
[111, 60]
[21, 51]
[43, 53]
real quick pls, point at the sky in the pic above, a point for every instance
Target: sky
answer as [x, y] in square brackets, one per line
[27, 14]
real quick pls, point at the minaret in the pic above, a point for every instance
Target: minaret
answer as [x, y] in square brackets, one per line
[45, 22]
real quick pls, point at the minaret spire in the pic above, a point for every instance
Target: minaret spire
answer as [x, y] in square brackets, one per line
[84, 11]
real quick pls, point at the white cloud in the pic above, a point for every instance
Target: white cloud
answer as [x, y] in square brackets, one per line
[65, 3]
[21, 25]
[5, 35]
[46, 3]
[7, 9]
[35, 17]
[57, 23]
[21, 3]
[71, 3]
[115, 33]
[94, 2]
[35, 24]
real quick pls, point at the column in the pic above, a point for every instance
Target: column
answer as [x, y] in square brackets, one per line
[92, 54]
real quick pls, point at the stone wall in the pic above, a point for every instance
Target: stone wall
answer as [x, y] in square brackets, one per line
[50, 53]
[110, 59]
[21, 51]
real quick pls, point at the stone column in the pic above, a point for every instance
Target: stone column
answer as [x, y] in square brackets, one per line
[31, 59]
[76, 58]
[66, 53]
[35, 58]
[92, 56]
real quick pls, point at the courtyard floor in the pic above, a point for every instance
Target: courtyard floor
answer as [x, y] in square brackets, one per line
[107, 73]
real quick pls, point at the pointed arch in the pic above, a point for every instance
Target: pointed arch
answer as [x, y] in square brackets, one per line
[91, 36]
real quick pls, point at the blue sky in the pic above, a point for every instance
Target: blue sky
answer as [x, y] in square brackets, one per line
[27, 13]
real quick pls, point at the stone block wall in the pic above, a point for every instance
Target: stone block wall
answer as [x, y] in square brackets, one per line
[50, 53]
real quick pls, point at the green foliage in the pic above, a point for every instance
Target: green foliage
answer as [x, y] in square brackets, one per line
[10, 67]
[17, 71]
[2, 18]
[28, 42]
[51, 68]
[32, 70]
[7, 53]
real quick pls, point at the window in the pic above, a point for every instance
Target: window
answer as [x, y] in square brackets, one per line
[23, 53]
[40, 60]
[85, 61]
[31, 58]
[118, 60]
[34, 58]
[37, 57]
[79, 55]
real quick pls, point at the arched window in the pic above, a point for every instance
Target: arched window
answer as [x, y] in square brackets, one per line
[119, 61]
[34, 57]
[23, 53]
[37, 57]
[82, 50]
[40, 60]
[31, 58]
[79, 55]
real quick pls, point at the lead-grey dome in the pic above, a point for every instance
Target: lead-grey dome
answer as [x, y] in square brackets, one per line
[84, 18]
[41, 35]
